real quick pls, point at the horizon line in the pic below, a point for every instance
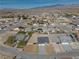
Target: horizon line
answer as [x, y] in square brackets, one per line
[54, 5]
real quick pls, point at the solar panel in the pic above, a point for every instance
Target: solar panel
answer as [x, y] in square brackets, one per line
[43, 40]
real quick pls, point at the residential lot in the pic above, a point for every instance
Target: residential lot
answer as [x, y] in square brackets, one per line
[48, 36]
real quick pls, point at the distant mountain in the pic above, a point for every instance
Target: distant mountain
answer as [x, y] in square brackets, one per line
[51, 6]
[57, 6]
[38, 10]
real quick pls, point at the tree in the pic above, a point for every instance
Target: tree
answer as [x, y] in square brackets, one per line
[21, 32]
[30, 33]
[19, 17]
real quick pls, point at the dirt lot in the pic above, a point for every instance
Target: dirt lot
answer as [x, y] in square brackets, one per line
[31, 48]
[50, 49]
[33, 39]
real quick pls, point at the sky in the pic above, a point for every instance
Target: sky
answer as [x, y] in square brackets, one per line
[33, 3]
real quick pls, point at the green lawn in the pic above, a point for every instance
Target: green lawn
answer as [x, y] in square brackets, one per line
[21, 44]
[10, 40]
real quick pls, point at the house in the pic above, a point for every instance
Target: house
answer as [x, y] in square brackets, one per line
[16, 29]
